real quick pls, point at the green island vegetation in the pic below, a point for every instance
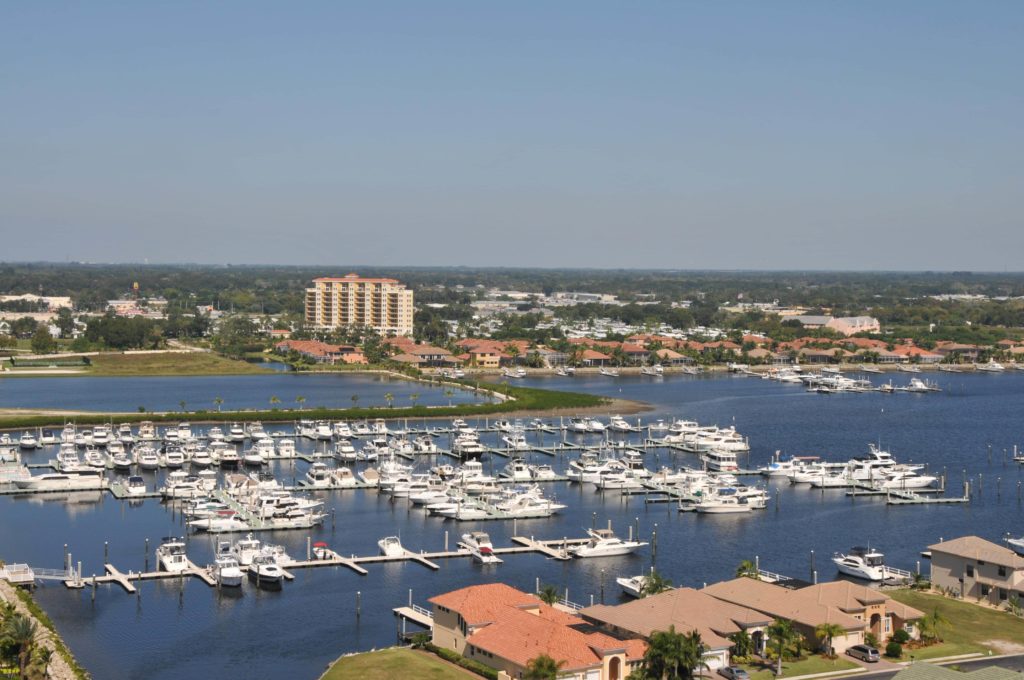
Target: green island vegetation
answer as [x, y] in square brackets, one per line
[518, 399]
[395, 662]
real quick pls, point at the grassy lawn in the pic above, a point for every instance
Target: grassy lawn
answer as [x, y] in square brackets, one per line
[197, 363]
[809, 666]
[971, 628]
[394, 663]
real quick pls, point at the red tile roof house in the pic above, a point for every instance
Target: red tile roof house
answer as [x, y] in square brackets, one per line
[504, 628]
[323, 353]
[592, 357]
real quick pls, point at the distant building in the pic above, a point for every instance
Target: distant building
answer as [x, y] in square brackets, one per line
[385, 305]
[844, 325]
[52, 302]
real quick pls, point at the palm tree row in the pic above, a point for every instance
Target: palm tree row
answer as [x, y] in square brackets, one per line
[18, 635]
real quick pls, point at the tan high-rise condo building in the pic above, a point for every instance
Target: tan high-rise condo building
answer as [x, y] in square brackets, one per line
[382, 304]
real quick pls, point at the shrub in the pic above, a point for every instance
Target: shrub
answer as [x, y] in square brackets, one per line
[456, 658]
[894, 650]
[871, 640]
[901, 636]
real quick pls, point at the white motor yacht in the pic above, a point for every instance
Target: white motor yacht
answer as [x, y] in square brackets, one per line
[479, 544]
[342, 430]
[620, 424]
[343, 477]
[245, 549]
[174, 458]
[67, 459]
[201, 458]
[215, 434]
[171, 555]
[543, 472]
[95, 459]
[81, 480]
[236, 433]
[28, 441]
[344, 451]
[147, 431]
[148, 458]
[517, 470]
[633, 585]
[391, 546]
[318, 476]
[604, 543]
[864, 563]
[424, 443]
[515, 441]
[229, 457]
[122, 462]
[226, 569]
[718, 460]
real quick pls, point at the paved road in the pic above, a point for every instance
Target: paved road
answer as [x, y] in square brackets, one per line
[1013, 662]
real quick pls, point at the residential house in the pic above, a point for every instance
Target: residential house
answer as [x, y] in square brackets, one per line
[851, 325]
[322, 352]
[688, 610]
[504, 628]
[976, 568]
[958, 350]
[855, 609]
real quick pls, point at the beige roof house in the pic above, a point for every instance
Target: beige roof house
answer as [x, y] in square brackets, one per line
[780, 602]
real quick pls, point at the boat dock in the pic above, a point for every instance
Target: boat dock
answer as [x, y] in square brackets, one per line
[556, 549]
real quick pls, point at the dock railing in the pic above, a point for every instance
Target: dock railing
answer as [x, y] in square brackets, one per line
[420, 610]
[772, 577]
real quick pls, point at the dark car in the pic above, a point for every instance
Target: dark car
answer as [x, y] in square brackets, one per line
[733, 673]
[864, 653]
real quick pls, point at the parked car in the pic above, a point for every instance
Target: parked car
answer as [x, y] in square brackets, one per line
[733, 673]
[864, 653]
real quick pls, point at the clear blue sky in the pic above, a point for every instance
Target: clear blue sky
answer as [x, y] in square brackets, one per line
[854, 135]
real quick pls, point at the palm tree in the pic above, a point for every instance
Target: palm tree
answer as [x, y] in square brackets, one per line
[826, 632]
[182, 405]
[21, 631]
[355, 400]
[746, 569]
[300, 400]
[654, 583]
[549, 594]
[931, 624]
[217, 401]
[274, 400]
[40, 662]
[542, 667]
[674, 655]
[693, 654]
[414, 397]
[449, 392]
[781, 632]
[390, 398]
[742, 643]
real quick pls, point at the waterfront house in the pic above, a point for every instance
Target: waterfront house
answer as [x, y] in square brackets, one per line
[976, 568]
[856, 609]
[851, 325]
[688, 610]
[591, 357]
[504, 628]
[322, 352]
[959, 350]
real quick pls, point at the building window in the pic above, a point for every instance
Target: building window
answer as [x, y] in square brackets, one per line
[1002, 571]
[1002, 594]
[984, 590]
[970, 570]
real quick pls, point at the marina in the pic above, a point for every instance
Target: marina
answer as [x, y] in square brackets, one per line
[356, 515]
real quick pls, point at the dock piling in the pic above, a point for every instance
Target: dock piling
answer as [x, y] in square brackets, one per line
[359, 599]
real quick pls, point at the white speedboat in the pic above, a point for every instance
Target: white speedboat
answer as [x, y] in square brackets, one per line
[122, 461]
[149, 459]
[95, 459]
[517, 470]
[265, 570]
[174, 458]
[1016, 544]
[391, 546]
[992, 366]
[28, 441]
[861, 562]
[343, 477]
[136, 486]
[479, 544]
[236, 433]
[610, 372]
[171, 555]
[604, 543]
[215, 434]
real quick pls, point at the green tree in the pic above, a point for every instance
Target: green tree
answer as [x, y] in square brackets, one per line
[674, 656]
[65, 321]
[182, 405]
[42, 341]
[654, 583]
[542, 667]
[746, 569]
[931, 625]
[390, 398]
[549, 594]
[355, 400]
[300, 400]
[742, 643]
[449, 392]
[218, 401]
[20, 631]
[274, 400]
[782, 634]
[414, 397]
[827, 632]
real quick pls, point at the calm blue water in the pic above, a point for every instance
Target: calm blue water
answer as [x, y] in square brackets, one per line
[331, 390]
[194, 632]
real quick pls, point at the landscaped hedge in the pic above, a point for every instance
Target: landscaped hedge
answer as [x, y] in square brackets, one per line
[456, 658]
